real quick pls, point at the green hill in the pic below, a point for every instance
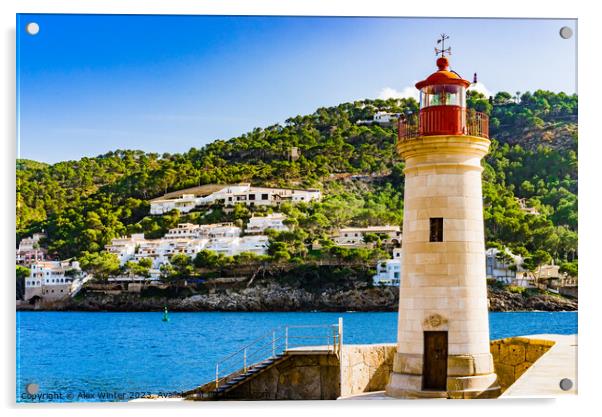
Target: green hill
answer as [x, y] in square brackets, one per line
[83, 204]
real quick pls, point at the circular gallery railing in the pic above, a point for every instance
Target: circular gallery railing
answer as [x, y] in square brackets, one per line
[435, 121]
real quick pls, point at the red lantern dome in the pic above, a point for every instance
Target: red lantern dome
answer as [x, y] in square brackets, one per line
[443, 76]
[443, 102]
[443, 105]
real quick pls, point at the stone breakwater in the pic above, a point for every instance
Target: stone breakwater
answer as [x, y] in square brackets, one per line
[274, 297]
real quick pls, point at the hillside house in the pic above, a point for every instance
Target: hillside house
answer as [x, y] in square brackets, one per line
[509, 273]
[50, 280]
[353, 237]
[259, 224]
[125, 247]
[548, 277]
[522, 202]
[29, 250]
[381, 118]
[235, 194]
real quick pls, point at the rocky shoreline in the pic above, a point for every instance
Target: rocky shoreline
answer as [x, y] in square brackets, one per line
[280, 298]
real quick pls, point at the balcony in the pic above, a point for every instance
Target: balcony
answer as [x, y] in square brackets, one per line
[444, 120]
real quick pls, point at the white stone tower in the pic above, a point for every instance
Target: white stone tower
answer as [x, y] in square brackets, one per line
[443, 328]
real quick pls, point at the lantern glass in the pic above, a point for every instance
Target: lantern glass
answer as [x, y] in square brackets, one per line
[443, 95]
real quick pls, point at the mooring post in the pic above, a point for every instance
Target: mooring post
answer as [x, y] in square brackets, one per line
[286, 338]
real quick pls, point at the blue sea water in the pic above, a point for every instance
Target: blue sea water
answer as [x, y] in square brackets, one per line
[81, 356]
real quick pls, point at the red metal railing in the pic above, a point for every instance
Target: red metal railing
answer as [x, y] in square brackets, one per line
[444, 120]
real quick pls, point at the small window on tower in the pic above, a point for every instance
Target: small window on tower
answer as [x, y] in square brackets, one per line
[436, 234]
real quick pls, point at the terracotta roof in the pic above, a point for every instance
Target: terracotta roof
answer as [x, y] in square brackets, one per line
[443, 76]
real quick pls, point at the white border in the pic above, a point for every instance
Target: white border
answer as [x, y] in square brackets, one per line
[589, 156]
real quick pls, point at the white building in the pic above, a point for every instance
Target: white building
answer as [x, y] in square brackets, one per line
[260, 196]
[125, 247]
[508, 273]
[183, 203]
[204, 231]
[160, 251]
[235, 246]
[353, 237]
[384, 117]
[235, 194]
[48, 280]
[187, 239]
[388, 272]
[29, 250]
[257, 225]
[213, 231]
[380, 117]
[183, 230]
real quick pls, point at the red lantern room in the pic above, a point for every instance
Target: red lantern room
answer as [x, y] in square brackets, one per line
[443, 105]
[443, 102]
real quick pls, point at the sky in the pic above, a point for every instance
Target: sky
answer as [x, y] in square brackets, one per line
[89, 84]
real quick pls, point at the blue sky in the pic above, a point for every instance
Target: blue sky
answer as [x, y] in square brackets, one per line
[88, 84]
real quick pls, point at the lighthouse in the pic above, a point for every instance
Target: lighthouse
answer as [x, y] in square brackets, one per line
[443, 328]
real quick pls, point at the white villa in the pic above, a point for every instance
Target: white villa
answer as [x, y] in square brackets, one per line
[235, 246]
[48, 280]
[29, 250]
[257, 225]
[125, 247]
[353, 237]
[235, 194]
[510, 274]
[380, 117]
[388, 271]
[203, 231]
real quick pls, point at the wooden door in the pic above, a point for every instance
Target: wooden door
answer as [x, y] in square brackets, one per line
[434, 370]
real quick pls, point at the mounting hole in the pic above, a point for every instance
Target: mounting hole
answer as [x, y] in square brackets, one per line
[566, 32]
[32, 389]
[566, 384]
[32, 28]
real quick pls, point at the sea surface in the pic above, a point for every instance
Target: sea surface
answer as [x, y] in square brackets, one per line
[81, 356]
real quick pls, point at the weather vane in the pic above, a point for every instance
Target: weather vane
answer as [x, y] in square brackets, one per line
[443, 49]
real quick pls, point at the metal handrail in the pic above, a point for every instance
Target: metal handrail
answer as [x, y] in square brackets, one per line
[277, 343]
[475, 124]
[244, 347]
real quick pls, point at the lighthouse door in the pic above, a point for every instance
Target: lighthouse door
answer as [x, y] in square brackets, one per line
[434, 371]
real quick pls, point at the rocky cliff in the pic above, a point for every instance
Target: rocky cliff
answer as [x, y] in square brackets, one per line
[274, 297]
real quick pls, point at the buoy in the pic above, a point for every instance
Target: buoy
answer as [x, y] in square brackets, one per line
[165, 315]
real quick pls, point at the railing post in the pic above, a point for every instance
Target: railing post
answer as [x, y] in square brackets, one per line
[274, 343]
[244, 360]
[286, 338]
[217, 375]
[340, 334]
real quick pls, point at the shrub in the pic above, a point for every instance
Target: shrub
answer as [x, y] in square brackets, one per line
[516, 290]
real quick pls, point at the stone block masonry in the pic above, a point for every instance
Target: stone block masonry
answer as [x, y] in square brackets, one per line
[513, 356]
[307, 376]
[365, 368]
